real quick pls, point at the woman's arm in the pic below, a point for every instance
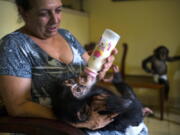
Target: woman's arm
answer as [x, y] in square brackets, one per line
[16, 95]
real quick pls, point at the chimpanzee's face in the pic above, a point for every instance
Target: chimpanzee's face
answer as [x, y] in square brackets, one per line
[163, 54]
[77, 87]
[80, 86]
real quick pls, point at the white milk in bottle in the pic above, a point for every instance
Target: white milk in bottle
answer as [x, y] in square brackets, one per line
[102, 50]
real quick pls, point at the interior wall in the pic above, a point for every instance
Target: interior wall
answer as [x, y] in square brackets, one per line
[144, 25]
[9, 18]
[76, 22]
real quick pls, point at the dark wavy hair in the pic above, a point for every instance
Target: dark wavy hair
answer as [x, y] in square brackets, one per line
[24, 4]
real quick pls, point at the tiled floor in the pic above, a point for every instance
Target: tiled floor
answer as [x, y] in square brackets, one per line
[171, 123]
[169, 126]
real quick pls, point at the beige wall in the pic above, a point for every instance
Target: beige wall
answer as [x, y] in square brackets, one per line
[144, 25]
[78, 23]
[74, 21]
[8, 18]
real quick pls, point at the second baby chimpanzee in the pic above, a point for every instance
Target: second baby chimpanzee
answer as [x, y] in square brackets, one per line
[156, 64]
[72, 102]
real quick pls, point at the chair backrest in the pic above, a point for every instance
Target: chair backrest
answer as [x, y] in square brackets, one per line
[123, 60]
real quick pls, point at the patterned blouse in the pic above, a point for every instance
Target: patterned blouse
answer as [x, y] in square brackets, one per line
[20, 56]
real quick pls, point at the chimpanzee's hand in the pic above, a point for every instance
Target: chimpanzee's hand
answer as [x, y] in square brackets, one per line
[115, 77]
[108, 63]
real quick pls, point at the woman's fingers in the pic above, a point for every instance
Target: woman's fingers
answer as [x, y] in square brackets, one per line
[101, 121]
[101, 96]
[105, 68]
[108, 79]
[104, 120]
[114, 51]
[113, 115]
[107, 64]
[115, 68]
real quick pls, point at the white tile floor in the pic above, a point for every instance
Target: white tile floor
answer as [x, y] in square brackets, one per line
[171, 123]
[169, 126]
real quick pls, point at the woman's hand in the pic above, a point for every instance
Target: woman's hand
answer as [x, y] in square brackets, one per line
[108, 63]
[96, 120]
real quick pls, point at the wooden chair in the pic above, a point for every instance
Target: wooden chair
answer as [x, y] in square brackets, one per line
[35, 126]
[142, 81]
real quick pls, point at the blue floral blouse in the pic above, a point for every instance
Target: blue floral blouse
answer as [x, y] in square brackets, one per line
[20, 56]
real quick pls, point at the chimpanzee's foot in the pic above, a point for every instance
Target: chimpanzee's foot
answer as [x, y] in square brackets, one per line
[147, 111]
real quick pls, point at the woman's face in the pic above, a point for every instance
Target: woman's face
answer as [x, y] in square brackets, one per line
[44, 18]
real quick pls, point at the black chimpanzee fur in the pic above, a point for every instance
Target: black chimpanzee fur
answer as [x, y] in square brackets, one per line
[66, 106]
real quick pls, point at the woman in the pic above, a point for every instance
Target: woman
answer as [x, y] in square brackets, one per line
[38, 55]
[35, 56]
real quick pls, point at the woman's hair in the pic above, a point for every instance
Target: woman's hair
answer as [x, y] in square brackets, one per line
[24, 4]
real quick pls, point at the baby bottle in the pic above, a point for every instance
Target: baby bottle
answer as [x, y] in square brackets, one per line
[102, 50]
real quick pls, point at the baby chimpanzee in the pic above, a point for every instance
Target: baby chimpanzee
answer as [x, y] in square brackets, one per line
[72, 102]
[157, 65]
